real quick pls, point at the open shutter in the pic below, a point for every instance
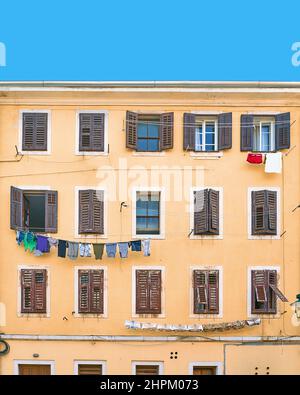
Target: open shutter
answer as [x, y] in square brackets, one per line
[27, 287]
[16, 208]
[142, 292]
[96, 291]
[40, 282]
[131, 129]
[166, 130]
[225, 131]
[200, 291]
[97, 212]
[259, 212]
[213, 292]
[84, 214]
[201, 212]
[259, 292]
[155, 291]
[271, 197]
[273, 285]
[214, 211]
[83, 291]
[189, 131]
[282, 131]
[51, 211]
[247, 128]
[41, 123]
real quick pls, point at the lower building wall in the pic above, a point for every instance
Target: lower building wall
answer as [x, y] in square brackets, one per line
[119, 356]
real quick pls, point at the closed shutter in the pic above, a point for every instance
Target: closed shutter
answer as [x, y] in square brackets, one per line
[96, 291]
[214, 212]
[263, 297]
[83, 291]
[206, 291]
[282, 131]
[213, 292]
[247, 129]
[91, 211]
[91, 132]
[200, 291]
[145, 370]
[131, 129]
[35, 127]
[166, 130]
[16, 208]
[89, 370]
[34, 370]
[264, 212]
[225, 131]
[148, 292]
[201, 212]
[51, 211]
[33, 284]
[272, 211]
[189, 131]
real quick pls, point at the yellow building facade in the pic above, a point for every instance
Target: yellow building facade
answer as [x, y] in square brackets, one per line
[151, 150]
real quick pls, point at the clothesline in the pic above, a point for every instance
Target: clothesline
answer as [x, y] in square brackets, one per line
[40, 244]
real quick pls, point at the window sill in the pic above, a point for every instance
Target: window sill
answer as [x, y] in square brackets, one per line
[33, 315]
[207, 237]
[266, 237]
[151, 154]
[91, 153]
[206, 316]
[90, 315]
[152, 237]
[147, 316]
[264, 316]
[89, 236]
[207, 155]
[46, 153]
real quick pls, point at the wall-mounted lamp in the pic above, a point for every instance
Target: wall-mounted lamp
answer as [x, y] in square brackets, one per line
[296, 304]
[123, 204]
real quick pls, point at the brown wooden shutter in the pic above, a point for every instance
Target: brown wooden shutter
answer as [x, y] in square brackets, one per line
[189, 131]
[201, 213]
[272, 211]
[84, 212]
[96, 291]
[89, 369]
[259, 291]
[273, 286]
[131, 129]
[51, 201]
[35, 127]
[247, 129]
[213, 292]
[98, 212]
[40, 290]
[33, 284]
[264, 212]
[91, 211]
[145, 370]
[206, 291]
[83, 291]
[91, 132]
[214, 212]
[16, 208]
[282, 131]
[166, 130]
[148, 292]
[225, 131]
[27, 287]
[200, 291]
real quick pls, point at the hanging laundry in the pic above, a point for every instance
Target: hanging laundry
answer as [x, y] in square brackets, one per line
[29, 241]
[123, 249]
[136, 245]
[73, 250]
[146, 247]
[255, 158]
[62, 246]
[20, 237]
[37, 253]
[52, 242]
[98, 250]
[273, 162]
[42, 244]
[111, 249]
[85, 249]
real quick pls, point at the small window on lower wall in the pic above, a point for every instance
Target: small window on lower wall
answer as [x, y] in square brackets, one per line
[89, 370]
[90, 291]
[34, 370]
[204, 370]
[147, 368]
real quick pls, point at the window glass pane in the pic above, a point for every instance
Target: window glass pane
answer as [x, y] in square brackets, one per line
[142, 129]
[256, 138]
[141, 225]
[198, 141]
[153, 208]
[209, 136]
[142, 145]
[266, 137]
[153, 145]
[153, 225]
[141, 207]
[153, 129]
[154, 196]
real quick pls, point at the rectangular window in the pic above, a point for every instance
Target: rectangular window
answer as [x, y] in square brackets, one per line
[33, 291]
[91, 211]
[33, 210]
[206, 291]
[264, 291]
[263, 135]
[148, 133]
[144, 370]
[204, 370]
[91, 291]
[148, 288]
[91, 132]
[206, 212]
[89, 370]
[264, 212]
[206, 135]
[148, 213]
[34, 370]
[34, 131]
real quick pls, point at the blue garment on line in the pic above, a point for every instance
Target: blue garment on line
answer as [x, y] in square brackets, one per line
[123, 249]
[111, 249]
[136, 245]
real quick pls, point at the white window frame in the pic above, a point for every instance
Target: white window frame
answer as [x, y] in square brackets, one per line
[105, 293]
[261, 121]
[249, 204]
[191, 287]
[76, 216]
[203, 122]
[19, 292]
[217, 365]
[249, 292]
[134, 364]
[49, 133]
[77, 134]
[18, 362]
[133, 290]
[221, 214]
[162, 212]
[93, 362]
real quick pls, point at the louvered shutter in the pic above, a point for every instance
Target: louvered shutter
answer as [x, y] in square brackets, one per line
[35, 128]
[225, 131]
[201, 212]
[214, 212]
[200, 291]
[40, 291]
[96, 291]
[282, 131]
[16, 208]
[83, 291]
[147, 370]
[273, 286]
[189, 131]
[51, 211]
[131, 129]
[166, 130]
[213, 292]
[259, 212]
[84, 212]
[98, 212]
[89, 369]
[155, 291]
[259, 291]
[91, 211]
[247, 129]
[142, 292]
[91, 132]
[27, 288]
[271, 197]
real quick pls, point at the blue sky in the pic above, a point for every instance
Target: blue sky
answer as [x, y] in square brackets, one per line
[149, 40]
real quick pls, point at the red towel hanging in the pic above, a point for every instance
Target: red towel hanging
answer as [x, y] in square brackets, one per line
[255, 158]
